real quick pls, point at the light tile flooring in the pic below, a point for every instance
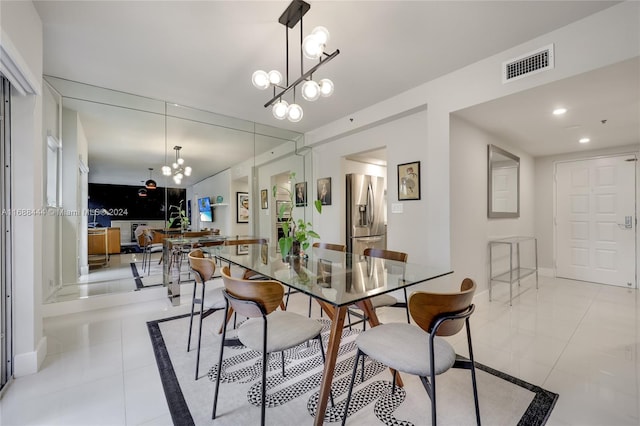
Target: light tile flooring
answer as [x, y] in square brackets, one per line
[578, 339]
[116, 277]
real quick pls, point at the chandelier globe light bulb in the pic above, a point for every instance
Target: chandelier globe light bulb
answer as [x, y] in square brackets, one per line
[294, 113]
[180, 161]
[321, 34]
[280, 109]
[275, 77]
[187, 171]
[166, 170]
[260, 80]
[310, 90]
[326, 87]
[174, 165]
[311, 47]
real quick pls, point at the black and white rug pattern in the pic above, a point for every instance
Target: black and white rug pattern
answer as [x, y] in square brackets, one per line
[155, 276]
[303, 366]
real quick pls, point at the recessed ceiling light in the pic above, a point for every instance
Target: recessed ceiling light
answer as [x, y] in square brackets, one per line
[584, 140]
[559, 111]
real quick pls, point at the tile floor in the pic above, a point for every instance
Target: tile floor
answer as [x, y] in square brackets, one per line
[578, 339]
[114, 278]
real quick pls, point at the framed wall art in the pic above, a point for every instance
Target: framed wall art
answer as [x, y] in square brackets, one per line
[264, 199]
[301, 194]
[324, 191]
[242, 207]
[242, 249]
[409, 181]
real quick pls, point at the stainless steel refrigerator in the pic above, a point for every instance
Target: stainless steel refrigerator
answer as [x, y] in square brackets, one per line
[365, 213]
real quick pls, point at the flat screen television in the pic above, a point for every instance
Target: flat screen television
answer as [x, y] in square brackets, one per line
[204, 207]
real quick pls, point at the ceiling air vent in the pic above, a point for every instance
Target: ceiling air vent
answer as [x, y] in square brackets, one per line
[529, 63]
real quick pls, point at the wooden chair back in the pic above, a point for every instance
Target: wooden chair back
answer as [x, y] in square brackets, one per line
[426, 308]
[191, 234]
[386, 254]
[196, 253]
[329, 246]
[238, 241]
[203, 266]
[265, 294]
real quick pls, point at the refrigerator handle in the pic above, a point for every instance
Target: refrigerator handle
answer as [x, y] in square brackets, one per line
[371, 201]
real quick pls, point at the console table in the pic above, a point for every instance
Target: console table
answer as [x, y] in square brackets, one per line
[516, 272]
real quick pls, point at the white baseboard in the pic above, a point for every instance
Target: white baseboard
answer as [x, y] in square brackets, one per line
[30, 362]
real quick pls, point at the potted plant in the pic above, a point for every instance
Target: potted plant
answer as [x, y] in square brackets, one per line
[178, 213]
[297, 233]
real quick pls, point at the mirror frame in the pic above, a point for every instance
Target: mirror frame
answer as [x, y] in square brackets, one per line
[491, 151]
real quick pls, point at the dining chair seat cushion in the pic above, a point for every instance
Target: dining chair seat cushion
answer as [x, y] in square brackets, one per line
[405, 347]
[155, 247]
[383, 300]
[214, 299]
[379, 301]
[284, 330]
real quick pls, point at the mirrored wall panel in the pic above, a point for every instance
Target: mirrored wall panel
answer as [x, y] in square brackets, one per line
[131, 165]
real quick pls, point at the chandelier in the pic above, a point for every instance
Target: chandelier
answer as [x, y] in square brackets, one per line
[177, 169]
[312, 47]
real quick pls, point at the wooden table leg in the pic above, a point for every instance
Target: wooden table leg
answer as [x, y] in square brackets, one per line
[370, 313]
[337, 322]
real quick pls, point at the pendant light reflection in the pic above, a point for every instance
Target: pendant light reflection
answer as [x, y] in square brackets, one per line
[178, 169]
[150, 183]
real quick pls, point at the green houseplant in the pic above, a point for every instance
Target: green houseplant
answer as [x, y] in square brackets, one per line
[178, 213]
[297, 233]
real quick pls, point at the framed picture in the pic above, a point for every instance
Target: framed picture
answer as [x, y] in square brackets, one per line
[324, 191]
[301, 194]
[264, 199]
[242, 249]
[409, 181]
[264, 253]
[242, 207]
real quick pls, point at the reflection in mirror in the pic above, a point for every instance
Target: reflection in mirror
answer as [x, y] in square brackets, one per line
[503, 196]
[114, 142]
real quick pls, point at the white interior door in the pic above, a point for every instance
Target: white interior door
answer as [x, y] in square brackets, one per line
[596, 220]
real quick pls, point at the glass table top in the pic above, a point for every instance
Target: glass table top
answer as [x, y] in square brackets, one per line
[334, 277]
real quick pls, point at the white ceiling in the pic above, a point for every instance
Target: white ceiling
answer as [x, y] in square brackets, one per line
[602, 105]
[202, 53]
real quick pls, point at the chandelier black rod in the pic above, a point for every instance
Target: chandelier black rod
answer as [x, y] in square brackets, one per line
[302, 78]
[287, 44]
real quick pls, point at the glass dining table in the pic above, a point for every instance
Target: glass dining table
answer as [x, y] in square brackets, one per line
[335, 280]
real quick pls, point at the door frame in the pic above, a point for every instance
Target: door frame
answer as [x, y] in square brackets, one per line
[636, 155]
[6, 232]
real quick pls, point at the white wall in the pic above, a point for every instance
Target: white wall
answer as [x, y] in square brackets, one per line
[404, 139]
[22, 30]
[74, 198]
[51, 268]
[471, 229]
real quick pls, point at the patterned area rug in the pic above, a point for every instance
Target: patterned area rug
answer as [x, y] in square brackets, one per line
[154, 277]
[292, 400]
